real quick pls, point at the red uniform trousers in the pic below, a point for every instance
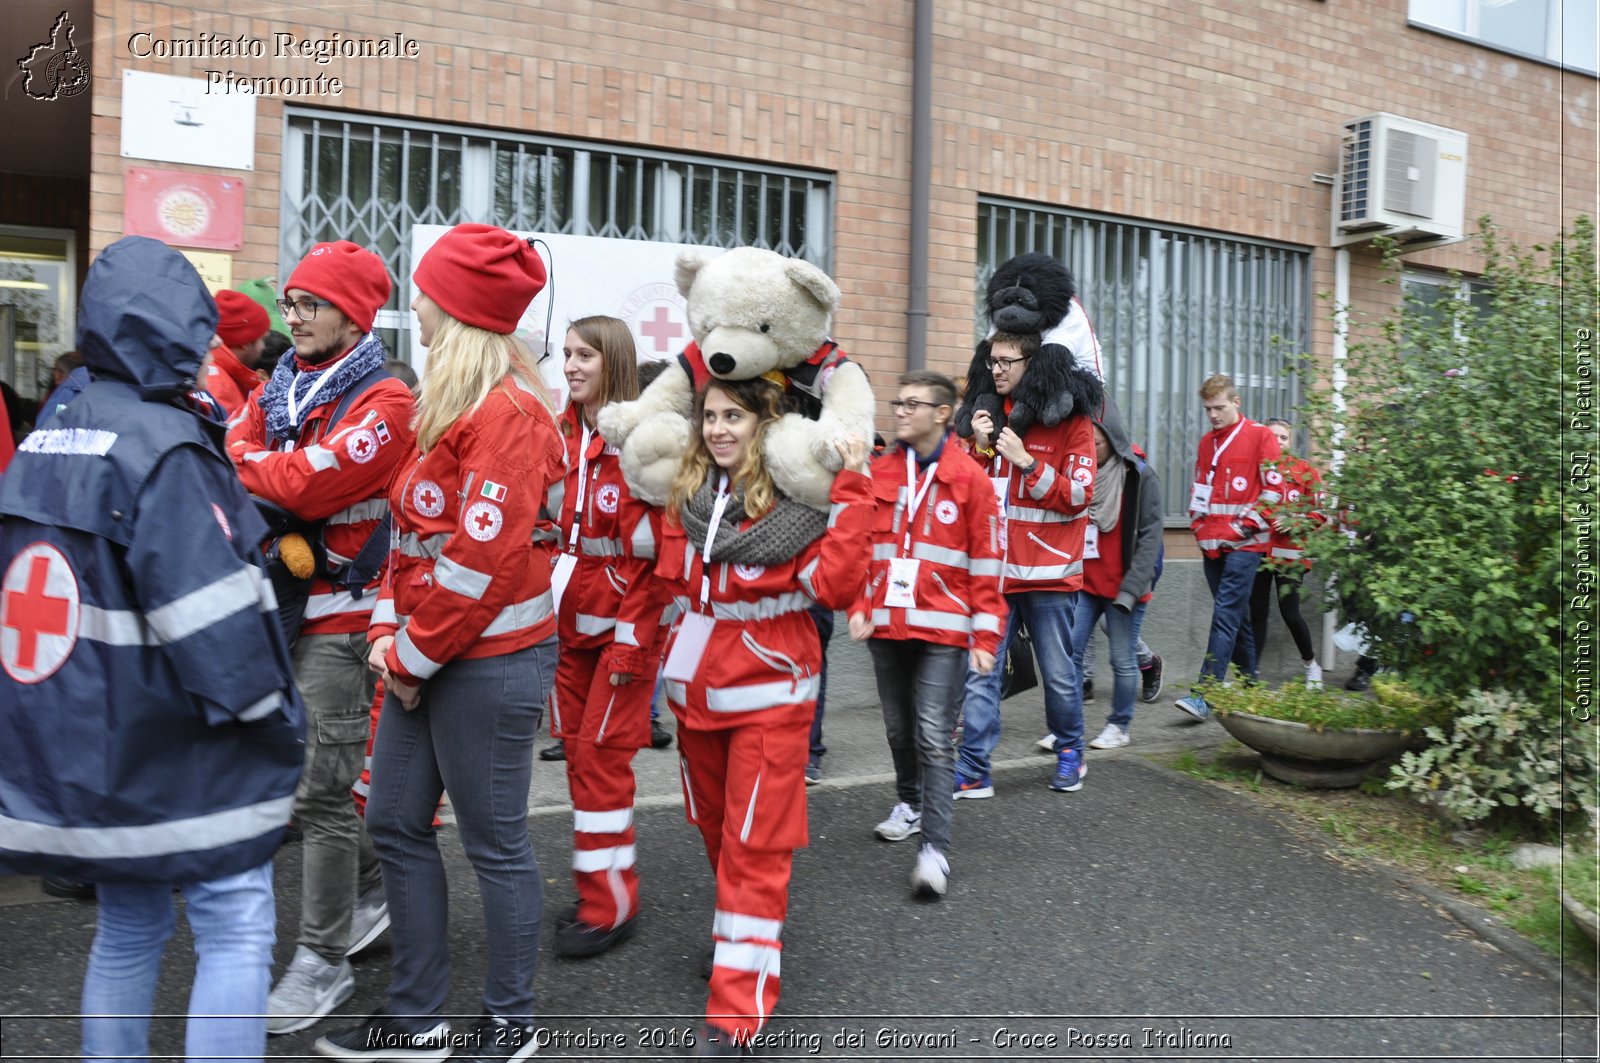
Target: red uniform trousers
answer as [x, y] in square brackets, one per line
[744, 788]
[602, 727]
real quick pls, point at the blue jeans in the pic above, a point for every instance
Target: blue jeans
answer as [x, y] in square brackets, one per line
[473, 736]
[1123, 631]
[1231, 577]
[1049, 616]
[235, 926]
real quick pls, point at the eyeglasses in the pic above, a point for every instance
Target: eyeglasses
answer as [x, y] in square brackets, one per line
[1005, 363]
[304, 309]
[911, 406]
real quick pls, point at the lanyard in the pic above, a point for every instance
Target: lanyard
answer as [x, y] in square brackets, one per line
[305, 403]
[1216, 455]
[915, 494]
[583, 475]
[711, 537]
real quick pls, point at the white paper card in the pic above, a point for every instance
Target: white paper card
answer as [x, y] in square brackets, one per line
[1091, 540]
[683, 660]
[902, 583]
[560, 575]
[1002, 484]
[1200, 499]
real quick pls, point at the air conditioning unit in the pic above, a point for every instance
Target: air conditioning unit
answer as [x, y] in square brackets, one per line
[1400, 178]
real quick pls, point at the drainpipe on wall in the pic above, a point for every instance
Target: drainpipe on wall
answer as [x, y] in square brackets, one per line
[1341, 323]
[921, 178]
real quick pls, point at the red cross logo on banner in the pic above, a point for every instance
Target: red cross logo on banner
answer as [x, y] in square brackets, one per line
[660, 330]
[38, 613]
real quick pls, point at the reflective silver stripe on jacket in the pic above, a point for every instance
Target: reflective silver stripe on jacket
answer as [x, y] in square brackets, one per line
[644, 541]
[1229, 509]
[749, 956]
[600, 547]
[932, 619]
[114, 627]
[519, 615]
[454, 576]
[626, 634]
[215, 830]
[753, 696]
[986, 622]
[321, 458]
[1027, 514]
[808, 574]
[205, 606]
[263, 707]
[986, 566]
[942, 555]
[338, 603]
[413, 659]
[1041, 486]
[370, 509]
[414, 545]
[383, 612]
[760, 609]
[1042, 573]
[593, 625]
[834, 511]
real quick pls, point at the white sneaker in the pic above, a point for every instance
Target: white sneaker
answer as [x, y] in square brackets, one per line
[1047, 743]
[1113, 737]
[903, 822]
[931, 877]
[1313, 675]
[309, 989]
[369, 919]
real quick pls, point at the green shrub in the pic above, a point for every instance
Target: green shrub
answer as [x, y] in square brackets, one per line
[1502, 753]
[1451, 477]
[1393, 707]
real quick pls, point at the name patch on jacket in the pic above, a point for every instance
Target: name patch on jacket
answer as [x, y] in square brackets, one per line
[90, 441]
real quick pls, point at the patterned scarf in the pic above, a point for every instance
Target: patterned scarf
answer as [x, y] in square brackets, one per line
[779, 536]
[366, 356]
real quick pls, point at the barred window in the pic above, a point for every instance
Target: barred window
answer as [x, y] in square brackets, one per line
[1170, 308]
[372, 181]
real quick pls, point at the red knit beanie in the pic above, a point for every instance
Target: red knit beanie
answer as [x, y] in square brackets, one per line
[481, 276]
[348, 276]
[241, 320]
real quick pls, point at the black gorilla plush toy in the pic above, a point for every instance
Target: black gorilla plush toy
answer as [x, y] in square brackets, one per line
[1030, 293]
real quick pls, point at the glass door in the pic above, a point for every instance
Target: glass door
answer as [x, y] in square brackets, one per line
[38, 287]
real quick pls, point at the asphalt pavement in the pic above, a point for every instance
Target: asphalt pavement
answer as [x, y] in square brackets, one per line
[1147, 916]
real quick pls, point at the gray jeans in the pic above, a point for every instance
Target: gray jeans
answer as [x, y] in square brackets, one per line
[472, 736]
[921, 685]
[337, 686]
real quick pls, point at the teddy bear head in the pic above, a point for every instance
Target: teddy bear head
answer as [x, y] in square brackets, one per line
[1029, 293]
[753, 311]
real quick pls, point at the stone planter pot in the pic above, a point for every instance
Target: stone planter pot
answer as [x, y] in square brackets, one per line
[1331, 759]
[1583, 916]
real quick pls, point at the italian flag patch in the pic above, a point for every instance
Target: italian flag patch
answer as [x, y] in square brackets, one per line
[493, 491]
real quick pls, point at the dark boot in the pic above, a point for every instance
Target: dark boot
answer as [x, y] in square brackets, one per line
[1366, 667]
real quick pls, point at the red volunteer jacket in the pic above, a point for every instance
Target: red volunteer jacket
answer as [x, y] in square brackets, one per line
[1301, 486]
[343, 477]
[1047, 507]
[763, 653]
[467, 576]
[956, 540]
[1239, 488]
[613, 595]
[229, 381]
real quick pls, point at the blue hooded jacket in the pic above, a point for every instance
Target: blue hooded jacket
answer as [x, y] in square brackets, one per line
[148, 711]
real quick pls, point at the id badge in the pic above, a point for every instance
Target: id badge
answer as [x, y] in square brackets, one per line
[683, 661]
[1002, 485]
[1200, 499]
[560, 575]
[1091, 540]
[902, 583]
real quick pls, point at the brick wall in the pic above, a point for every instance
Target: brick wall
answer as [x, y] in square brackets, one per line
[1212, 115]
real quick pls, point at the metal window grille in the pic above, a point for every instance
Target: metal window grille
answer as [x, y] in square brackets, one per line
[1170, 308]
[372, 181]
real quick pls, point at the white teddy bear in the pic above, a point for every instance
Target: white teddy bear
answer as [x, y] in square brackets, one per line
[752, 313]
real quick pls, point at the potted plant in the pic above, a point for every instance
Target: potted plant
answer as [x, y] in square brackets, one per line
[1320, 738]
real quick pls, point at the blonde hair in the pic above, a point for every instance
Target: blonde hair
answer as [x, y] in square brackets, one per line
[465, 363]
[760, 397]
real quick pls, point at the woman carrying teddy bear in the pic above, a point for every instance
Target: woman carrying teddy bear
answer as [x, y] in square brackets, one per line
[742, 674]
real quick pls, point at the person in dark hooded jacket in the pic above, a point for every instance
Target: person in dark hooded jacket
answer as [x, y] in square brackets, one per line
[1121, 562]
[153, 732]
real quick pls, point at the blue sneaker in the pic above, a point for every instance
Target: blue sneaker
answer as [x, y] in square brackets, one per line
[1195, 706]
[1069, 772]
[973, 789]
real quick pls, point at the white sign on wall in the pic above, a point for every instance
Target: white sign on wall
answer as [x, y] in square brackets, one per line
[627, 279]
[173, 119]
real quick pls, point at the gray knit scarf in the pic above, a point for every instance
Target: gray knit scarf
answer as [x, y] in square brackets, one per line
[777, 537]
[1105, 508]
